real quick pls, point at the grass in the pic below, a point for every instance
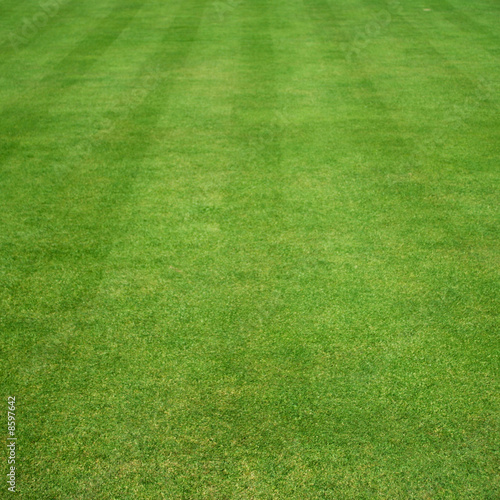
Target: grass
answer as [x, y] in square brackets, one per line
[249, 249]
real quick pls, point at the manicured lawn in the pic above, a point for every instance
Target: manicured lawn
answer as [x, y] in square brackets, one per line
[249, 248]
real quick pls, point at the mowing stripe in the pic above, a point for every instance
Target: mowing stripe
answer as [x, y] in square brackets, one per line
[10, 48]
[18, 120]
[464, 21]
[131, 137]
[388, 119]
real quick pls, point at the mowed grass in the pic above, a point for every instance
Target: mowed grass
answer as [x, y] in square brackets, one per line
[249, 249]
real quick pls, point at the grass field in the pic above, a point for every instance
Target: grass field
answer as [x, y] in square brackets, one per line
[249, 249]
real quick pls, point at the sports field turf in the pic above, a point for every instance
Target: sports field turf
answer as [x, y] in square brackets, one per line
[249, 248]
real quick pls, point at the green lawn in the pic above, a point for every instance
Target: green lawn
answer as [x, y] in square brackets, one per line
[249, 248]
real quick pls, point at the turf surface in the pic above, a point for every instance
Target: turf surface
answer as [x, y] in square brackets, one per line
[249, 248]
